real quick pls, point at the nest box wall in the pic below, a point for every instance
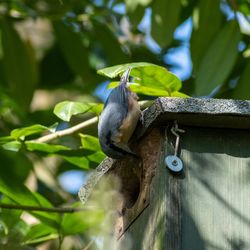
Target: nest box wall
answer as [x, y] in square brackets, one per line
[207, 206]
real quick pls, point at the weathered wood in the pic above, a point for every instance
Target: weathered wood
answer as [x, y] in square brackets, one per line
[197, 112]
[149, 229]
[216, 191]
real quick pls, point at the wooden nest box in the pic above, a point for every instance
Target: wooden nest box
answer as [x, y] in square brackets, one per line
[207, 204]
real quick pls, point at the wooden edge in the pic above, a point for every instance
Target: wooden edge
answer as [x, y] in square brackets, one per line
[197, 112]
[150, 148]
[173, 198]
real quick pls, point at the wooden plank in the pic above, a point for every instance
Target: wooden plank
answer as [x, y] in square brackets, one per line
[216, 190]
[148, 231]
[159, 226]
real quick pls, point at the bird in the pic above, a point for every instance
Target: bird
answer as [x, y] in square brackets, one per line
[118, 120]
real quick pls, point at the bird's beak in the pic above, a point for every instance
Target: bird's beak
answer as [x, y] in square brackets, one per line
[125, 76]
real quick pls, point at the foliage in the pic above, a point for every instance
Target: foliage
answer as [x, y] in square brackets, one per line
[50, 51]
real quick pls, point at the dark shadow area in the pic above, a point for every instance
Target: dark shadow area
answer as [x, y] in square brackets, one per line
[191, 235]
[234, 142]
[129, 171]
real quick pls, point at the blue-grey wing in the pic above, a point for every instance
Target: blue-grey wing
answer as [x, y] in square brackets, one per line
[114, 112]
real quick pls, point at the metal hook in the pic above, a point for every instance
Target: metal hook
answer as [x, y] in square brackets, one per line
[174, 131]
[173, 162]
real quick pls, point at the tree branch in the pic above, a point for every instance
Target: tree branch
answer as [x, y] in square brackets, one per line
[67, 131]
[43, 209]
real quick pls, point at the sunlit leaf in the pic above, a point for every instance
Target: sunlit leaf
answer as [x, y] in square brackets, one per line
[65, 110]
[39, 233]
[5, 139]
[140, 89]
[12, 146]
[116, 70]
[23, 132]
[79, 161]
[44, 147]
[146, 74]
[90, 142]
[179, 94]
[50, 236]
[96, 157]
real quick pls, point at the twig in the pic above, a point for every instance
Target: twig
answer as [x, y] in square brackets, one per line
[67, 131]
[88, 245]
[43, 209]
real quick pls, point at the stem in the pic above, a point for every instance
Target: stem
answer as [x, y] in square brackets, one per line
[43, 209]
[67, 131]
[89, 245]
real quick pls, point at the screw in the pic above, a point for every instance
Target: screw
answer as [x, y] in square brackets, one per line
[175, 163]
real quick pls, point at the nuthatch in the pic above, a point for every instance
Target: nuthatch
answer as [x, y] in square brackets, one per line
[118, 120]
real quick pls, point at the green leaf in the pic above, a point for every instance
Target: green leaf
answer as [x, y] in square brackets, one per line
[75, 52]
[39, 233]
[96, 157]
[179, 94]
[44, 147]
[207, 19]
[131, 5]
[165, 19]
[12, 146]
[14, 166]
[81, 221]
[116, 70]
[145, 90]
[244, 7]
[79, 161]
[90, 142]
[23, 132]
[10, 217]
[64, 110]
[19, 65]
[140, 89]
[136, 15]
[23, 196]
[109, 43]
[242, 90]
[136, 9]
[5, 139]
[147, 74]
[50, 236]
[218, 60]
